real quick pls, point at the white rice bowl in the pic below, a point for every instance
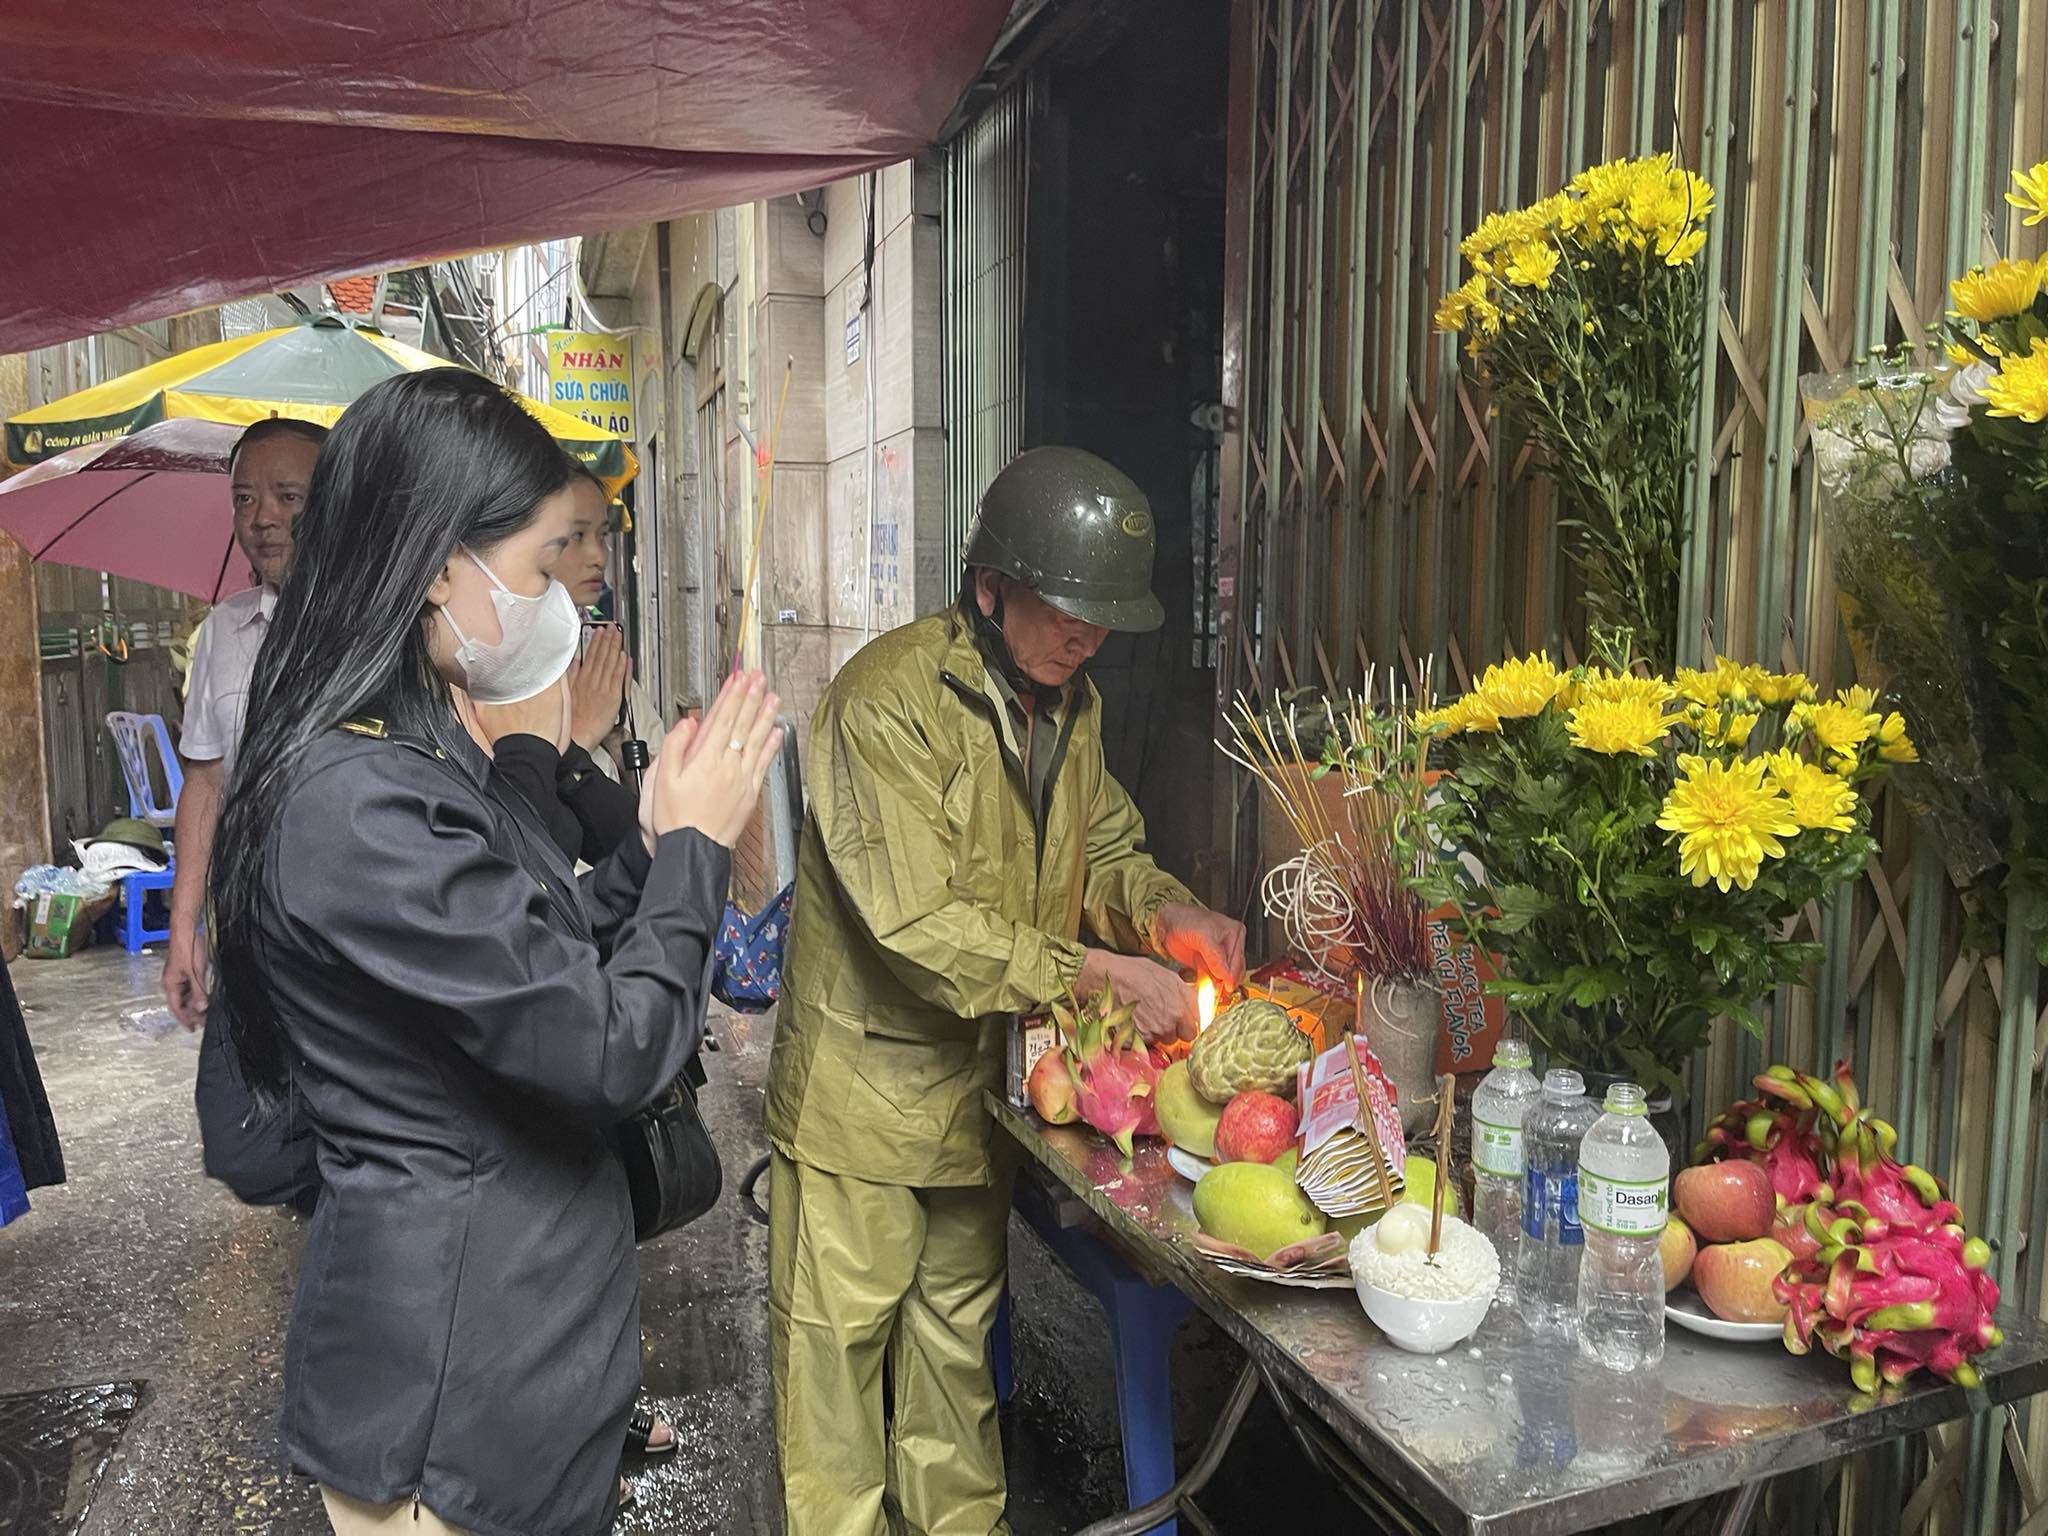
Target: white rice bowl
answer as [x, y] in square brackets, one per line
[1421, 1302]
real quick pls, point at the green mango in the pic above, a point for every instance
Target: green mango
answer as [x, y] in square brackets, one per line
[1256, 1206]
[1351, 1226]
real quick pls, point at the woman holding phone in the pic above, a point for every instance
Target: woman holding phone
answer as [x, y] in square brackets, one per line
[466, 1018]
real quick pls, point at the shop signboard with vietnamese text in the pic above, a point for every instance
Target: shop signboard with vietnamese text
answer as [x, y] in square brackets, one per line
[591, 376]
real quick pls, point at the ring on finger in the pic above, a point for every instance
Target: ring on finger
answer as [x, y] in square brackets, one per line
[736, 745]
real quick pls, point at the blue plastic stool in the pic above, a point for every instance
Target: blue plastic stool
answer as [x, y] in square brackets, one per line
[135, 891]
[1142, 1317]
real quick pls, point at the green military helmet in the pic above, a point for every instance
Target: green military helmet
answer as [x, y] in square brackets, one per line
[133, 831]
[1077, 531]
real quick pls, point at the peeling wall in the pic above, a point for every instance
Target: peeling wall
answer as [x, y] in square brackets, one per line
[831, 575]
[836, 572]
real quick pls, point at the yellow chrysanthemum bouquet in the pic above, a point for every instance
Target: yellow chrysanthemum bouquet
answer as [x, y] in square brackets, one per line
[1583, 317]
[1936, 482]
[1631, 847]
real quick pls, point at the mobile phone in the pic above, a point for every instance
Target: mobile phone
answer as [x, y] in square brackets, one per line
[583, 642]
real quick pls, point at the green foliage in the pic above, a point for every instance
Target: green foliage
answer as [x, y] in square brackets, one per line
[1584, 317]
[1616, 960]
[1613, 409]
[1940, 514]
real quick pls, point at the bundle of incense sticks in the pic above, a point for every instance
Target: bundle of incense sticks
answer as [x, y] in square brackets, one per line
[1352, 1149]
[1343, 900]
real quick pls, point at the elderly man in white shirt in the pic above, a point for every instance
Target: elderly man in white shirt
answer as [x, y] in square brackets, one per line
[270, 470]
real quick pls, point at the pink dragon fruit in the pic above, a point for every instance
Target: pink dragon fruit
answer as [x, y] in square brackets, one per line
[1864, 1180]
[1780, 1136]
[1891, 1282]
[1890, 1300]
[1114, 1074]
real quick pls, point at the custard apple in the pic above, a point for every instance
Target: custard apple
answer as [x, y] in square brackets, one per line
[1251, 1045]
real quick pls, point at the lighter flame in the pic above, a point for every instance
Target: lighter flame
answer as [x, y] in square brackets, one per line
[1205, 1001]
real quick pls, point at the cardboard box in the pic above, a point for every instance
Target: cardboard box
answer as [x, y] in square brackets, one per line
[1278, 840]
[59, 925]
[1030, 1039]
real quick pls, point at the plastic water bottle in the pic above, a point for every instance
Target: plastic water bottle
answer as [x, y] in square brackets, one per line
[1624, 1193]
[1547, 1270]
[1503, 1098]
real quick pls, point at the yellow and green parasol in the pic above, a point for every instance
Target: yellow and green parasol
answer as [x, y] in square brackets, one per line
[311, 371]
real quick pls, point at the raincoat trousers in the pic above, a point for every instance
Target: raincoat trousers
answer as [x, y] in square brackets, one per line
[934, 904]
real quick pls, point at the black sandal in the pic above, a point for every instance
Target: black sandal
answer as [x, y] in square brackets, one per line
[640, 1434]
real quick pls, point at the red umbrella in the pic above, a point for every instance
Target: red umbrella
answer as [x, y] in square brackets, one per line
[152, 506]
[236, 149]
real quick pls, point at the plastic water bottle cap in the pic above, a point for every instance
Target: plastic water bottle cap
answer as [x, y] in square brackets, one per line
[1512, 1053]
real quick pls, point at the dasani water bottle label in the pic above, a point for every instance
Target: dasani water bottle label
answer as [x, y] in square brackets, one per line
[1497, 1149]
[1623, 1207]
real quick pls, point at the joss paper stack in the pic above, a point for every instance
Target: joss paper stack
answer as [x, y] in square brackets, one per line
[1351, 1159]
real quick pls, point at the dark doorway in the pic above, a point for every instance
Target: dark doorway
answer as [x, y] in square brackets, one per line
[1124, 312]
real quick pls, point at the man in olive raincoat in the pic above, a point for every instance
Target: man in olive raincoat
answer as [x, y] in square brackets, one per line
[962, 829]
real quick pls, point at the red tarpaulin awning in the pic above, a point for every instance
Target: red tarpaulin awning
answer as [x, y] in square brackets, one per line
[160, 158]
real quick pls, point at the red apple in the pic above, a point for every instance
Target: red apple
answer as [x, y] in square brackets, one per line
[1256, 1128]
[1789, 1232]
[1051, 1087]
[1734, 1280]
[1726, 1202]
[1676, 1248]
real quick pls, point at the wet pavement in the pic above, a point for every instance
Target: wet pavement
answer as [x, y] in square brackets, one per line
[141, 1269]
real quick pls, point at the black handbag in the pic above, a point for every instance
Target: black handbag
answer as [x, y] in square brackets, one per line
[672, 1168]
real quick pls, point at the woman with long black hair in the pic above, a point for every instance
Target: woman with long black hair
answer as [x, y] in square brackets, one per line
[465, 1019]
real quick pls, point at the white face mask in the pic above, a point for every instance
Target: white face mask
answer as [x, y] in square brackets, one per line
[538, 640]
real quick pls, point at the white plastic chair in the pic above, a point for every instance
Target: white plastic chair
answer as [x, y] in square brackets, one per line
[134, 735]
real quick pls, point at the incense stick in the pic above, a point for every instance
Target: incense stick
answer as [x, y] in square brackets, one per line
[1343, 899]
[739, 639]
[1446, 1106]
[1372, 1125]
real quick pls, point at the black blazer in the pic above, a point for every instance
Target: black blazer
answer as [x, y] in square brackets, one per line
[469, 1022]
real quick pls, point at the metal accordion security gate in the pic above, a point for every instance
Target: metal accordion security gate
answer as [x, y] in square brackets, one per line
[986, 172]
[1378, 522]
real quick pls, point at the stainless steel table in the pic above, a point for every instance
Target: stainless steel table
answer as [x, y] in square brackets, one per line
[1502, 1435]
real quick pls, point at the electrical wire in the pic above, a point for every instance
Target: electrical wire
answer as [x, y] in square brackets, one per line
[582, 299]
[540, 289]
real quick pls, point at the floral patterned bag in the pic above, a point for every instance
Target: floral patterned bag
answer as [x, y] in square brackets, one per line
[748, 975]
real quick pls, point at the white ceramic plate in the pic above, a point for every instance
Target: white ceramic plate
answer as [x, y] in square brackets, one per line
[1187, 1165]
[1687, 1310]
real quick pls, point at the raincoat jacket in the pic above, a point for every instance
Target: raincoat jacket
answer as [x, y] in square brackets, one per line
[470, 1022]
[933, 906]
